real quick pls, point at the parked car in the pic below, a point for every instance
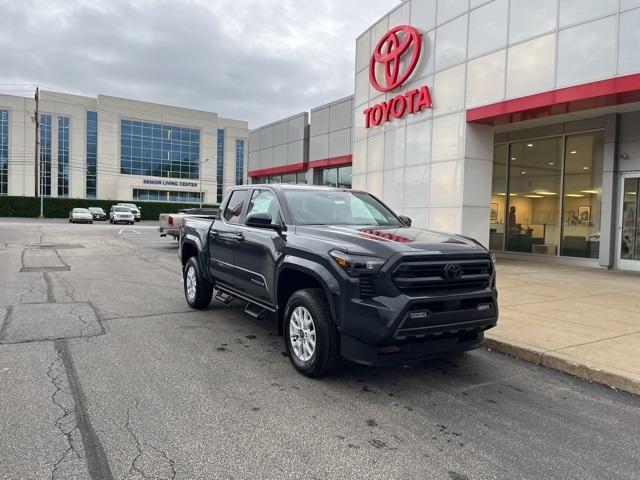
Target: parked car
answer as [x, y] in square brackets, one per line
[342, 276]
[134, 209]
[80, 215]
[120, 214]
[170, 223]
[98, 213]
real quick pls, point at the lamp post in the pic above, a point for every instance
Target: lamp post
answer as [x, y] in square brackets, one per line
[201, 179]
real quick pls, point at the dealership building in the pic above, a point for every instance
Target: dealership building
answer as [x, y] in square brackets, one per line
[118, 149]
[511, 121]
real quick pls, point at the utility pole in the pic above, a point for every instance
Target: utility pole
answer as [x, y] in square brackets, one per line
[36, 120]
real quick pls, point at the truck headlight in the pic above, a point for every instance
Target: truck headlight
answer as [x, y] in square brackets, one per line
[356, 265]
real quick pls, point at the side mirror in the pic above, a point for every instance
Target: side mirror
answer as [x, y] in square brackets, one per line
[405, 220]
[261, 220]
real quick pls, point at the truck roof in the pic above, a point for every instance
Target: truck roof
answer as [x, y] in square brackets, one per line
[292, 186]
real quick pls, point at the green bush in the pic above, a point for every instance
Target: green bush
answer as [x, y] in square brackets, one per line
[60, 207]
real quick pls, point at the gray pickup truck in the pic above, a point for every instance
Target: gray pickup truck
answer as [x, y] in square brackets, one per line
[341, 275]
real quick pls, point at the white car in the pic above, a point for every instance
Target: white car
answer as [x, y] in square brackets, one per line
[134, 209]
[80, 215]
[120, 214]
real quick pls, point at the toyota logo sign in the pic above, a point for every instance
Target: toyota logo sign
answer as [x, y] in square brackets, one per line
[393, 61]
[389, 53]
[452, 271]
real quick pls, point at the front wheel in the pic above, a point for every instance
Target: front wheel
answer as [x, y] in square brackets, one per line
[310, 335]
[197, 289]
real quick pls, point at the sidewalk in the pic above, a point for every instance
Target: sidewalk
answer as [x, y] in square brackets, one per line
[582, 321]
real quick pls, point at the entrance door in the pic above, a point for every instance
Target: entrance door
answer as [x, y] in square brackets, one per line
[629, 223]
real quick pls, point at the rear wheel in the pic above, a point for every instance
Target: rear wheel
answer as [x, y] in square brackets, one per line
[197, 289]
[311, 337]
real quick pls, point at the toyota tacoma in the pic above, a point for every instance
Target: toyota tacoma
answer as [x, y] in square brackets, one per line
[341, 275]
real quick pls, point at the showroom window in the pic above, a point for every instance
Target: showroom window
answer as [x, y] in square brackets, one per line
[159, 150]
[546, 196]
[337, 177]
[63, 156]
[4, 152]
[299, 178]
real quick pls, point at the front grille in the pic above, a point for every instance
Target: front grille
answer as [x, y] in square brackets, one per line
[447, 306]
[367, 290]
[429, 274]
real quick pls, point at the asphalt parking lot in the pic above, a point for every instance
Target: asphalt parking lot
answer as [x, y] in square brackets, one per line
[105, 373]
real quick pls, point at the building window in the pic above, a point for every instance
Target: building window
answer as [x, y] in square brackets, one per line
[4, 152]
[63, 156]
[45, 155]
[337, 177]
[159, 150]
[546, 196]
[91, 174]
[240, 162]
[165, 196]
[220, 164]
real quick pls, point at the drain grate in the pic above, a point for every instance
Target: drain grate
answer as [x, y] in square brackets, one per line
[45, 269]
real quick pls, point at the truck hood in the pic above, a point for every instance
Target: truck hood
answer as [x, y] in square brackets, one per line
[371, 240]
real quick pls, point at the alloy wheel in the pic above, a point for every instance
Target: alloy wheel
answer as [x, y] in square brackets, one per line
[302, 334]
[191, 283]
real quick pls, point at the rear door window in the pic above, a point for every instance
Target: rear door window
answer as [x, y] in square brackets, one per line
[233, 211]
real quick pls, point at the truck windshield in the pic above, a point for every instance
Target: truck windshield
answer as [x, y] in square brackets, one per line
[338, 207]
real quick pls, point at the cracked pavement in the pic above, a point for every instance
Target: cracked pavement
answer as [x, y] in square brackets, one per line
[105, 373]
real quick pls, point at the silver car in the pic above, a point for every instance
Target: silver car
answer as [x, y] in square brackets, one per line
[119, 214]
[80, 215]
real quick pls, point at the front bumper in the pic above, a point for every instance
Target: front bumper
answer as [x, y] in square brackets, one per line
[392, 330]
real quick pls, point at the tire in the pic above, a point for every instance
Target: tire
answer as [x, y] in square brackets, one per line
[70, 221]
[111, 221]
[91, 223]
[325, 357]
[200, 296]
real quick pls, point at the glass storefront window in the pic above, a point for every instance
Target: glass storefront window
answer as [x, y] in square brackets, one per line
[546, 196]
[533, 216]
[582, 195]
[630, 240]
[301, 178]
[289, 178]
[498, 198]
[330, 177]
[344, 177]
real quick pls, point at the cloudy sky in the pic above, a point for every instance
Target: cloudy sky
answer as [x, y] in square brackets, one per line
[258, 60]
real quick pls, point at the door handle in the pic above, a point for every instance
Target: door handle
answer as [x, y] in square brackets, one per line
[213, 233]
[238, 237]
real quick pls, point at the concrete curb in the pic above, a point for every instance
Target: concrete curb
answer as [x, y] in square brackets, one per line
[557, 362]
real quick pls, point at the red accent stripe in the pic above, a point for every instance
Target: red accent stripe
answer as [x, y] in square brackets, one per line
[603, 93]
[298, 167]
[332, 162]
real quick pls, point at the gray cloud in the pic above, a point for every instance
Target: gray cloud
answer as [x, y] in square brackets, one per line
[258, 60]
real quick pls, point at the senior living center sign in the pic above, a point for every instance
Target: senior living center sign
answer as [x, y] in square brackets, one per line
[394, 58]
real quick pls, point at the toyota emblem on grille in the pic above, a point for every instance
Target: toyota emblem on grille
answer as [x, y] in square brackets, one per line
[452, 271]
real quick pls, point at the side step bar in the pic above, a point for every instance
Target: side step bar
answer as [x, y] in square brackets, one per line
[256, 311]
[224, 297]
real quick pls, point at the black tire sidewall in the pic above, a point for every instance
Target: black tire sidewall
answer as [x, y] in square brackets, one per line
[312, 300]
[204, 290]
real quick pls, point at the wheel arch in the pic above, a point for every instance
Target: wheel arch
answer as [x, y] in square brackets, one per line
[296, 274]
